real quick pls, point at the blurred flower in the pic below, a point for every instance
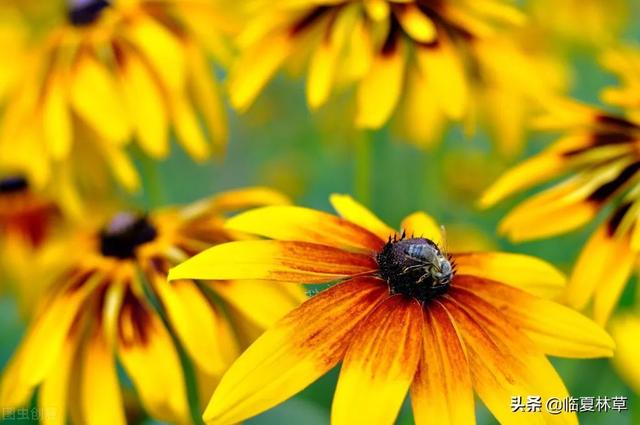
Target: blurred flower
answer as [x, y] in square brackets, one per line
[27, 221]
[404, 315]
[600, 160]
[113, 71]
[586, 22]
[113, 302]
[625, 330]
[433, 58]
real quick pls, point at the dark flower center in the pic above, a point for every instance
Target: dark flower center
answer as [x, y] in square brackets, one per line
[415, 267]
[124, 234]
[13, 184]
[86, 12]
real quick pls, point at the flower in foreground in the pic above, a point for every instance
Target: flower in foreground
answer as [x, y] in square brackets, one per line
[599, 162]
[403, 316]
[113, 303]
[432, 60]
[110, 72]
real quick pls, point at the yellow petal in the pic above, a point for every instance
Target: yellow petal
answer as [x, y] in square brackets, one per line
[255, 68]
[532, 171]
[152, 362]
[145, 104]
[525, 223]
[558, 330]
[121, 165]
[188, 129]
[56, 120]
[379, 365]
[379, 91]
[356, 213]
[162, 49]
[442, 65]
[378, 10]
[593, 269]
[321, 73]
[55, 388]
[504, 363]
[303, 224]
[625, 330]
[442, 392]
[100, 390]
[522, 271]
[47, 332]
[207, 97]
[273, 260]
[195, 322]
[261, 302]
[422, 225]
[417, 24]
[294, 352]
[96, 99]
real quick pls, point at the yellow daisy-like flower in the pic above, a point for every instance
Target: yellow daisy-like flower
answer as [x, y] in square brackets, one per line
[27, 222]
[404, 316]
[434, 58]
[113, 72]
[599, 162]
[113, 302]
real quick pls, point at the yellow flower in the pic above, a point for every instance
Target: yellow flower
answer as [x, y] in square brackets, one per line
[112, 301]
[110, 73]
[27, 221]
[625, 330]
[403, 315]
[431, 59]
[598, 158]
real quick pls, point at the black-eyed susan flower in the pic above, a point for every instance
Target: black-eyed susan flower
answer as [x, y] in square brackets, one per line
[27, 222]
[432, 60]
[403, 316]
[112, 303]
[109, 73]
[598, 161]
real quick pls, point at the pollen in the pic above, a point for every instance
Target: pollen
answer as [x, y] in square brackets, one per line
[124, 234]
[415, 267]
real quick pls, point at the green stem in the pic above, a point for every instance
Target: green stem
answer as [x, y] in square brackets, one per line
[362, 175]
[152, 184]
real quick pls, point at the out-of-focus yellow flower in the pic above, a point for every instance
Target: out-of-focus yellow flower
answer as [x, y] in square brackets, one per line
[625, 330]
[402, 315]
[13, 39]
[600, 161]
[587, 22]
[112, 301]
[110, 73]
[27, 222]
[434, 58]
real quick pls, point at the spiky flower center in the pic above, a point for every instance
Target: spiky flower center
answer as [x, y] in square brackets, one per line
[86, 12]
[13, 184]
[124, 234]
[415, 267]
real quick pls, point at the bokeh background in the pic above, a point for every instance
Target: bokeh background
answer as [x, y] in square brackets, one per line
[280, 144]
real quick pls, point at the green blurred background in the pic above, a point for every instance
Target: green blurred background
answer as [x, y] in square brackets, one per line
[280, 144]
